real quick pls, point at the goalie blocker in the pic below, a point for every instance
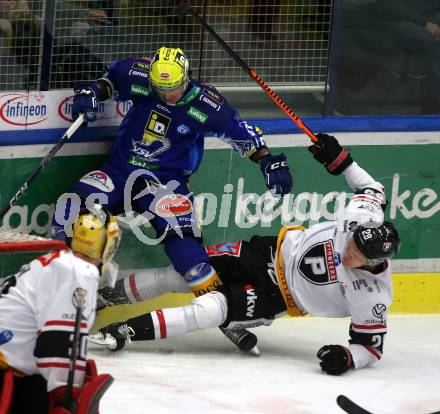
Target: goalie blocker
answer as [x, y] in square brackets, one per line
[26, 394]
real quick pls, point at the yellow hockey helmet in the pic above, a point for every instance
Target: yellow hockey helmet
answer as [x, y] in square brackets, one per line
[169, 69]
[96, 235]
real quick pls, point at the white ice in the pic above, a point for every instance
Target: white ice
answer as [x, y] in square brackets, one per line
[203, 372]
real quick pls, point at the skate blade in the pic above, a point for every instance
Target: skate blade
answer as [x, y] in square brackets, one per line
[98, 339]
[252, 352]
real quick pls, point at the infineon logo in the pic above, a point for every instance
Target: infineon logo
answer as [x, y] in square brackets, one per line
[23, 109]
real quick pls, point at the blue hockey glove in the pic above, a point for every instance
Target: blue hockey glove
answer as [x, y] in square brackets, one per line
[329, 152]
[85, 102]
[276, 174]
[335, 359]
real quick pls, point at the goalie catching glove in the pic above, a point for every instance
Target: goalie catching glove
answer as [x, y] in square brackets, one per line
[329, 152]
[335, 359]
[276, 174]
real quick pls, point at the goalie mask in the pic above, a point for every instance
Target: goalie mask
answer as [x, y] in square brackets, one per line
[168, 72]
[97, 235]
[377, 244]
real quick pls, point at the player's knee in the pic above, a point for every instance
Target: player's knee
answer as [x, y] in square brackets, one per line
[209, 311]
[248, 306]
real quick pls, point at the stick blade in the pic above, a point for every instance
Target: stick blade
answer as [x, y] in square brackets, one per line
[349, 406]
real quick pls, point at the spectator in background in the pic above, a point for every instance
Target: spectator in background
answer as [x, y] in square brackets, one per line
[392, 35]
[263, 14]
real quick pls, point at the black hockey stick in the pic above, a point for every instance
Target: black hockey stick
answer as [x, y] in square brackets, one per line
[349, 406]
[184, 9]
[79, 299]
[352, 408]
[42, 165]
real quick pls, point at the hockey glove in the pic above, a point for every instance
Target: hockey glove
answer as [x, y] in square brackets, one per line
[329, 152]
[85, 101]
[335, 359]
[276, 174]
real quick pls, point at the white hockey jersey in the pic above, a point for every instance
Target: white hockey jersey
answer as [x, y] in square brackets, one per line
[320, 285]
[37, 317]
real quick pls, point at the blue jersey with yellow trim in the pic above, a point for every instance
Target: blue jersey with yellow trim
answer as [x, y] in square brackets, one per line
[170, 138]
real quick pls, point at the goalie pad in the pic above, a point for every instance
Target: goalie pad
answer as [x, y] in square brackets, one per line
[6, 391]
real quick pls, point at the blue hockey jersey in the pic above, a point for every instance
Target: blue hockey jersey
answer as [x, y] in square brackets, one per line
[170, 139]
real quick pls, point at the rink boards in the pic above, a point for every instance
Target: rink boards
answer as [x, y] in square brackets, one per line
[231, 197]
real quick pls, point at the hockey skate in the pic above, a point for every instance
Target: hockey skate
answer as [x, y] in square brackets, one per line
[114, 337]
[246, 341]
[108, 296]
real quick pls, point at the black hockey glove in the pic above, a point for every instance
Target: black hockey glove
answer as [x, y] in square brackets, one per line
[85, 101]
[335, 359]
[330, 153]
[276, 174]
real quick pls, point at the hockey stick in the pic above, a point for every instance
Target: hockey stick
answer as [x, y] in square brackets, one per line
[79, 298]
[42, 165]
[184, 9]
[352, 408]
[349, 406]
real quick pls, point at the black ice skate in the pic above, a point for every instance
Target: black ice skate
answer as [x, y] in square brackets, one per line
[114, 337]
[246, 341]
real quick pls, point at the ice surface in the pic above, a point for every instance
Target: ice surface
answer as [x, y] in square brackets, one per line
[203, 372]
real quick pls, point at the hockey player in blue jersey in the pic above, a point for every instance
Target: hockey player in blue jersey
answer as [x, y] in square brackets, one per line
[161, 142]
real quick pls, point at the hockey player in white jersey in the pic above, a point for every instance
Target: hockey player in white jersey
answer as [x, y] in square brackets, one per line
[333, 269]
[37, 322]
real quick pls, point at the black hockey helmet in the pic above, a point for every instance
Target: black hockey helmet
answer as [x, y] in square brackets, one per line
[377, 244]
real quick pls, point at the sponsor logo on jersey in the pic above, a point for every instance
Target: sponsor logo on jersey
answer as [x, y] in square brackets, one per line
[183, 129]
[173, 205]
[211, 103]
[137, 73]
[99, 180]
[337, 259]
[23, 109]
[213, 95]
[137, 162]
[227, 248]
[251, 297]
[5, 336]
[378, 310]
[360, 283]
[163, 108]
[143, 67]
[139, 90]
[197, 115]
[155, 128]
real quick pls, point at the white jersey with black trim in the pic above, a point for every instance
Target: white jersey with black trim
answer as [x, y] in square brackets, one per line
[320, 285]
[37, 317]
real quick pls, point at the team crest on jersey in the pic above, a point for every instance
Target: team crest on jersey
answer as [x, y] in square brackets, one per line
[227, 248]
[99, 180]
[317, 264]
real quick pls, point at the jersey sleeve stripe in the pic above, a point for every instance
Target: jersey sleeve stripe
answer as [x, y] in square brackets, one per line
[380, 326]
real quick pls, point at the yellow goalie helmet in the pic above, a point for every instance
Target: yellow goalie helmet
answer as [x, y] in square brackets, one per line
[169, 69]
[96, 235]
